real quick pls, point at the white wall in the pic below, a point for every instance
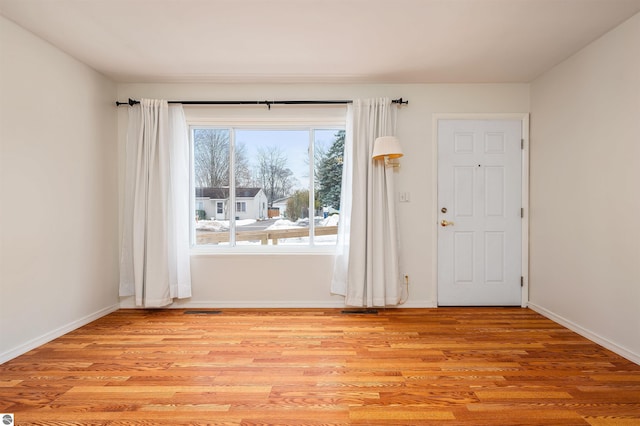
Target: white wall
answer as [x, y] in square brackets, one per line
[585, 203]
[304, 280]
[58, 192]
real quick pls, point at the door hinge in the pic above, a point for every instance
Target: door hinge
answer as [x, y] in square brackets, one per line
[521, 281]
[521, 143]
[521, 211]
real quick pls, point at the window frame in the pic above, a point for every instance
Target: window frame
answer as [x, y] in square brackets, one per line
[233, 124]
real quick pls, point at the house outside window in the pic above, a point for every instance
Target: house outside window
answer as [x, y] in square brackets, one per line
[284, 181]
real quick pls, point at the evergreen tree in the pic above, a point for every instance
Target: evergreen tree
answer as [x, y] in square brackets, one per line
[330, 173]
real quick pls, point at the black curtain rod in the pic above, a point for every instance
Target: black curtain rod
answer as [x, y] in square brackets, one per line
[132, 102]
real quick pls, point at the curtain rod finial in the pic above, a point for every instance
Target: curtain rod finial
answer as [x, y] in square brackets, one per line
[130, 102]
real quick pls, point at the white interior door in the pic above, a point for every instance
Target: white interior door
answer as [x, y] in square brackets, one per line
[479, 212]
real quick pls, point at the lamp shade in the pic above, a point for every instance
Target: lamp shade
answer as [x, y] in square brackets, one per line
[386, 146]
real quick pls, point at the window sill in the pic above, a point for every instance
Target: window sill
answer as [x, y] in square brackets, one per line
[262, 251]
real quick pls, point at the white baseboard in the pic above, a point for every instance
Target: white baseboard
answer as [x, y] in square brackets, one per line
[54, 334]
[259, 304]
[594, 337]
[419, 304]
[128, 303]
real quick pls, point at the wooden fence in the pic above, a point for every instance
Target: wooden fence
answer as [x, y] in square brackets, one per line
[211, 237]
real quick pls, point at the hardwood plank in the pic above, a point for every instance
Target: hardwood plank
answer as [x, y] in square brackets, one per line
[445, 366]
[399, 414]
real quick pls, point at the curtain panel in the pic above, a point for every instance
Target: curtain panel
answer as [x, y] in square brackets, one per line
[366, 269]
[154, 263]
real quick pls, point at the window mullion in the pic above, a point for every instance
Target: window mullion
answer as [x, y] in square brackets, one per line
[232, 187]
[312, 200]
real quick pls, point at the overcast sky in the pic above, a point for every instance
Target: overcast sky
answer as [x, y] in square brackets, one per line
[294, 143]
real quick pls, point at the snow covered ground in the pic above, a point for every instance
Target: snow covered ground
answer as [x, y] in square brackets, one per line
[223, 225]
[287, 224]
[220, 225]
[304, 223]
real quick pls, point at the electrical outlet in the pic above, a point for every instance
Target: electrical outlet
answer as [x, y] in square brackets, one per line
[404, 197]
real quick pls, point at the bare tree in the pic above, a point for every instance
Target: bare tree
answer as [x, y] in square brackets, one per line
[211, 159]
[275, 178]
[242, 169]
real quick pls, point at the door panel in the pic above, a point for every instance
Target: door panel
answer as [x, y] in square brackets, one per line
[479, 198]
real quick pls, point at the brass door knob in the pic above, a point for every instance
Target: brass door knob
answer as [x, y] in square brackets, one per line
[446, 223]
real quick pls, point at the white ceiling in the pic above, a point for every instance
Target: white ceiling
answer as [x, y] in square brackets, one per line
[320, 41]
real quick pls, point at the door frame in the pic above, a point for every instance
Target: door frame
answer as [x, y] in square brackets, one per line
[524, 119]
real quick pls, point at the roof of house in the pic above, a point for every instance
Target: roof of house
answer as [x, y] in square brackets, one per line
[223, 193]
[281, 200]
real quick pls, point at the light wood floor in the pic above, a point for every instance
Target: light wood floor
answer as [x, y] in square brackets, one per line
[446, 366]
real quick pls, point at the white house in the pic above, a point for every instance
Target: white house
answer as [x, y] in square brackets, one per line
[281, 205]
[250, 203]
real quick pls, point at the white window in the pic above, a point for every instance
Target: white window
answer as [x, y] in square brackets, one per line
[288, 178]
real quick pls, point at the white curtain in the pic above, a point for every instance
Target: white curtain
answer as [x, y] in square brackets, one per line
[366, 269]
[154, 262]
